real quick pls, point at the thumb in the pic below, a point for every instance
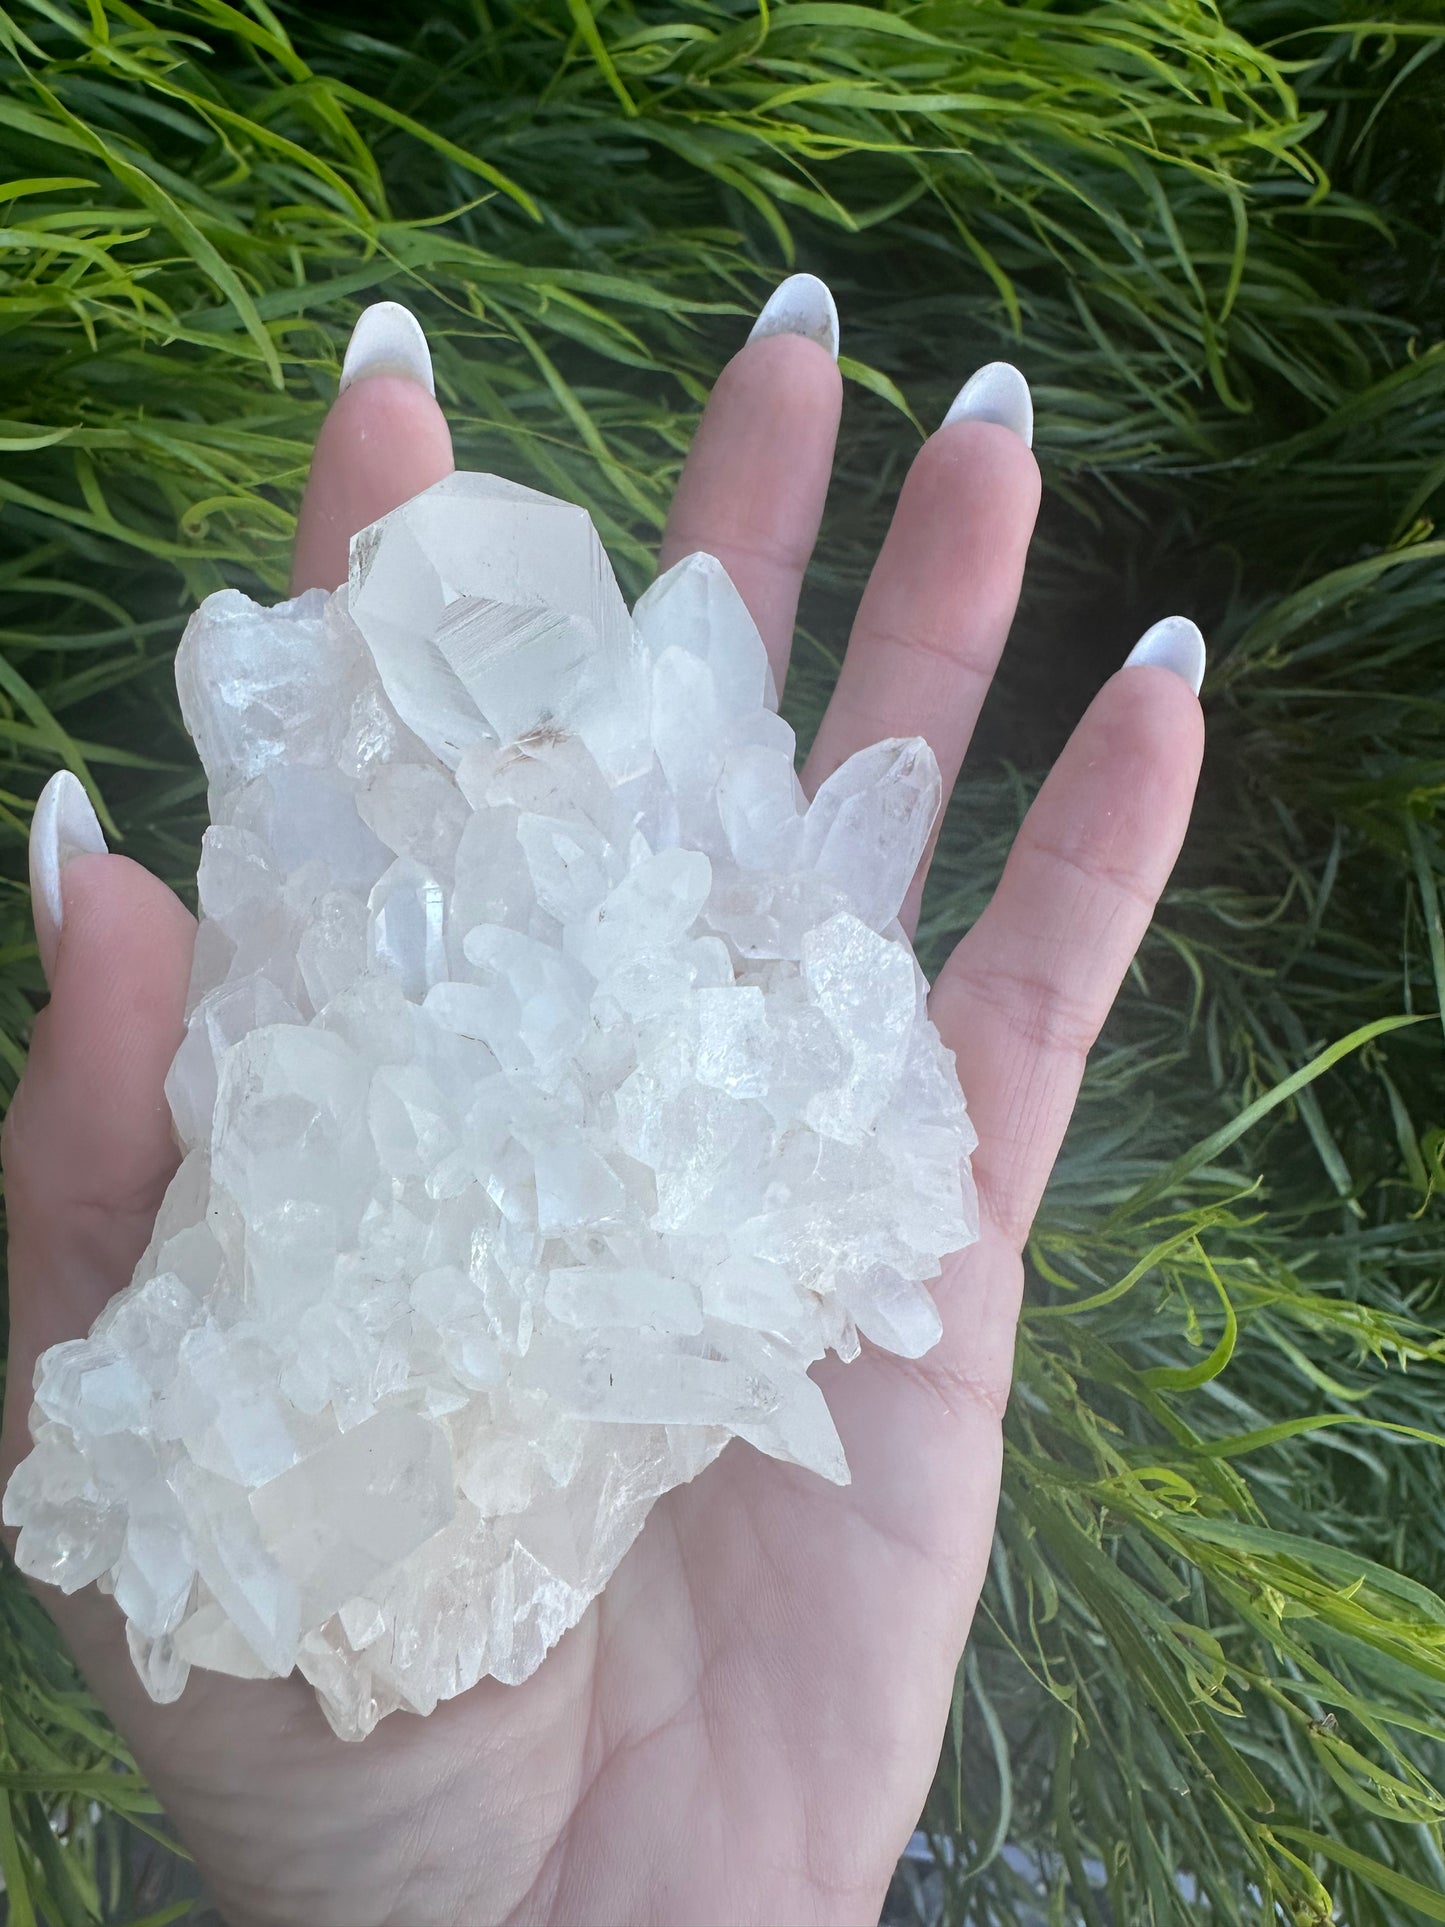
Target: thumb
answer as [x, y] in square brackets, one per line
[88, 1150]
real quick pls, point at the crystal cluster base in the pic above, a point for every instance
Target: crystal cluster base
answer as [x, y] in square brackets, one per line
[557, 1087]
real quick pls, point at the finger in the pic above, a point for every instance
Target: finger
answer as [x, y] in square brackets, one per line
[88, 1144]
[384, 441]
[1024, 995]
[937, 609]
[88, 1149]
[752, 490]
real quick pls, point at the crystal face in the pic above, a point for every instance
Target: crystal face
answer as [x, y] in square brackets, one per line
[557, 1087]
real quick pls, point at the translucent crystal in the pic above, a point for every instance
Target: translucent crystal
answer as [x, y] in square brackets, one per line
[867, 827]
[557, 1087]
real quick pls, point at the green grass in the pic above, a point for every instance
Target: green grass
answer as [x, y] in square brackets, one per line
[1214, 1639]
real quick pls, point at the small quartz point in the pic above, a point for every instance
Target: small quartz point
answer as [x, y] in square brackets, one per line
[558, 1086]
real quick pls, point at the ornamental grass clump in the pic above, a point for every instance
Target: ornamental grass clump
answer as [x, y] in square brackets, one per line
[1208, 1679]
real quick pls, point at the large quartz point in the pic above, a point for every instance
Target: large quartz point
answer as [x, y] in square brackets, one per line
[557, 1087]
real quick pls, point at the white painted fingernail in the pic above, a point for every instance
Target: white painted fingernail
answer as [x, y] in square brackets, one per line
[387, 340]
[1175, 643]
[801, 305]
[996, 393]
[64, 825]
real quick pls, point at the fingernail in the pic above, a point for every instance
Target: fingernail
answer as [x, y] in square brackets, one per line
[801, 305]
[996, 393]
[1175, 643]
[387, 340]
[64, 825]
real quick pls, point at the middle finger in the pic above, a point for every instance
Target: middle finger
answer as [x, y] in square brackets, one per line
[936, 612]
[752, 490]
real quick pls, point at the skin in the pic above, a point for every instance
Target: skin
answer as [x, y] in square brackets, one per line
[744, 1726]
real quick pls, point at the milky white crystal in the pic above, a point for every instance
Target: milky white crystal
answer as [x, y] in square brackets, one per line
[557, 1087]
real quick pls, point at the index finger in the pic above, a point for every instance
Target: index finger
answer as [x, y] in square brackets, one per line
[384, 440]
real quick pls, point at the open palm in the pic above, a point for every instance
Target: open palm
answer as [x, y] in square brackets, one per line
[744, 1726]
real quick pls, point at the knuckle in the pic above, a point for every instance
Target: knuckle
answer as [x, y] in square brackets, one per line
[951, 648]
[1040, 1011]
[1086, 858]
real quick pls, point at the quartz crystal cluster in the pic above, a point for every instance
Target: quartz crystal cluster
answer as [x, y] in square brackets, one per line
[557, 1087]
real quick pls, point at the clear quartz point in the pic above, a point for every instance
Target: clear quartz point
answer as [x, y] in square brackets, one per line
[557, 1088]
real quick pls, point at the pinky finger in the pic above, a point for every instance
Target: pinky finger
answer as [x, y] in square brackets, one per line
[1026, 992]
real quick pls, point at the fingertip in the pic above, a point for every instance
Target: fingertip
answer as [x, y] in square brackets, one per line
[793, 374]
[993, 463]
[1156, 704]
[115, 907]
[1145, 731]
[384, 440]
[124, 960]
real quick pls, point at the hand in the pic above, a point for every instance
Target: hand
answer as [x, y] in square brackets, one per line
[744, 1726]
